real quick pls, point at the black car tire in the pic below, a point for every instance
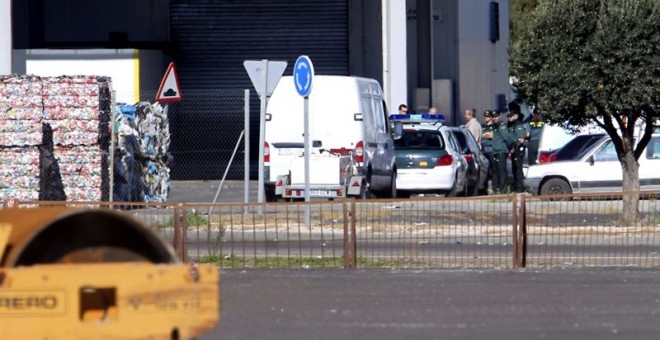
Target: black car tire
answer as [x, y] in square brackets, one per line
[365, 193]
[556, 186]
[392, 191]
[269, 192]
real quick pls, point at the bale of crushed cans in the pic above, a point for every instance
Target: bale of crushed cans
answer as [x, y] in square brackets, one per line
[141, 164]
[54, 138]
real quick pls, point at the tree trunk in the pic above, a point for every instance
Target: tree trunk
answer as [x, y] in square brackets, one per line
[630, 168]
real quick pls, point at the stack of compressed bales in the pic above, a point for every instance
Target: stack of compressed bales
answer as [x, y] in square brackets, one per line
[20, 134]
[77, 110]
[142, 155]
[154, 132]
[48, 124]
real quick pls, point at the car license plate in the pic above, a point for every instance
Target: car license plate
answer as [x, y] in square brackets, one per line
[290, 152]
[322, 193]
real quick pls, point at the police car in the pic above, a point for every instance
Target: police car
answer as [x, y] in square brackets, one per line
[427, 156]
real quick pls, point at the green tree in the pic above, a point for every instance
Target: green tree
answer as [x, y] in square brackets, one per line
[596, 61]
[518, 13]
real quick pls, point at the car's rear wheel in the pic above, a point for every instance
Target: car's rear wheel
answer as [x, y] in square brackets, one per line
[556, 186]
[392, 191]
[365, 193]
[269, 192]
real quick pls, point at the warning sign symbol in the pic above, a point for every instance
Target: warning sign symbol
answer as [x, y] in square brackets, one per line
[169, 90]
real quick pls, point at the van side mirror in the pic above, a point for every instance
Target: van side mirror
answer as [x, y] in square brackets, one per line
[591, 160]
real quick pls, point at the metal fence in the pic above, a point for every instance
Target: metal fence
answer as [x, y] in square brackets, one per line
[589, 230]
[483, 232]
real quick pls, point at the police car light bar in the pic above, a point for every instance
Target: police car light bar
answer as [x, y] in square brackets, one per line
[417, 118]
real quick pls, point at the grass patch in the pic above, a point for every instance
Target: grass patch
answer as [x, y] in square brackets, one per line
[228, 261]
[192, 219]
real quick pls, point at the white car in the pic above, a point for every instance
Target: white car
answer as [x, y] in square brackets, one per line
[598, 170]
[428, 157]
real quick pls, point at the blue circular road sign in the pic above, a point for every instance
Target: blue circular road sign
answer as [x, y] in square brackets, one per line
[303, 72]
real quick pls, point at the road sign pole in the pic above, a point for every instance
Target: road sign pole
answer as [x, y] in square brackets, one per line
[307, 152]
[262, 129]
[246, 144]
[307, 148]
[264, 75]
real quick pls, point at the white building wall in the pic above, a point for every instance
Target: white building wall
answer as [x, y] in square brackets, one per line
[5, 37]
[121, 65]
[483, 66]
[394, 53]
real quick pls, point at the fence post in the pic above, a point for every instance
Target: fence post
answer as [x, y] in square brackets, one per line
[523, 231]
[177, 230]
[180, 231]
[514, 222]
[350, 243]
[347, 254]
[353, 235]
[183, 234]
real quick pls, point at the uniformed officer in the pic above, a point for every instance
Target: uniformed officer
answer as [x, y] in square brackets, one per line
[517, 144]
[535, 128]
[500, 142]
[487, 143]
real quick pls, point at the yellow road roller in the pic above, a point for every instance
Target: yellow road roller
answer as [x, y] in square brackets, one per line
[97, 274]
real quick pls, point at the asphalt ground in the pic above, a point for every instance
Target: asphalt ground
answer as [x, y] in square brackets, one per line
[205, 191]
[439, 304]
[576, 303]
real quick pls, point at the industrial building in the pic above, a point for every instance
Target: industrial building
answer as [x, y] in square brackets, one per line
[451, 54]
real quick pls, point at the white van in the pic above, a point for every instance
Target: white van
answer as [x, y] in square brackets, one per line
[346, 115]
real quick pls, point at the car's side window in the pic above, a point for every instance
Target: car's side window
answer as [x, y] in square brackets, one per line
[453, 143]
[379, 118]
[653, 149]
[607, 152]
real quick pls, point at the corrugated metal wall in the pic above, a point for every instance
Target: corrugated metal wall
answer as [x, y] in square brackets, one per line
[212, 38]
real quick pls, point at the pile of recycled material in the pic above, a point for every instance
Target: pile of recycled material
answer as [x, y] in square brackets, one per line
[77, 110]
[54, 137]
[142, 156]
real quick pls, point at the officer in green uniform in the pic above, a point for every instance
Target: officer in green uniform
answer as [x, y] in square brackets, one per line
[517, 144]
[500, 140]
[535, 125]
[487, 143]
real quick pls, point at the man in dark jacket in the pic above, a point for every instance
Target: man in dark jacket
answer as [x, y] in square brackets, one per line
[517, 144]
[487, 143]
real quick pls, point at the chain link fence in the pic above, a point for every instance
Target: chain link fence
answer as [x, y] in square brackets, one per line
[487, 232]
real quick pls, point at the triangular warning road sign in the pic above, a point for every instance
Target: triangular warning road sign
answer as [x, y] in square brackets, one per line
[169, 90]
